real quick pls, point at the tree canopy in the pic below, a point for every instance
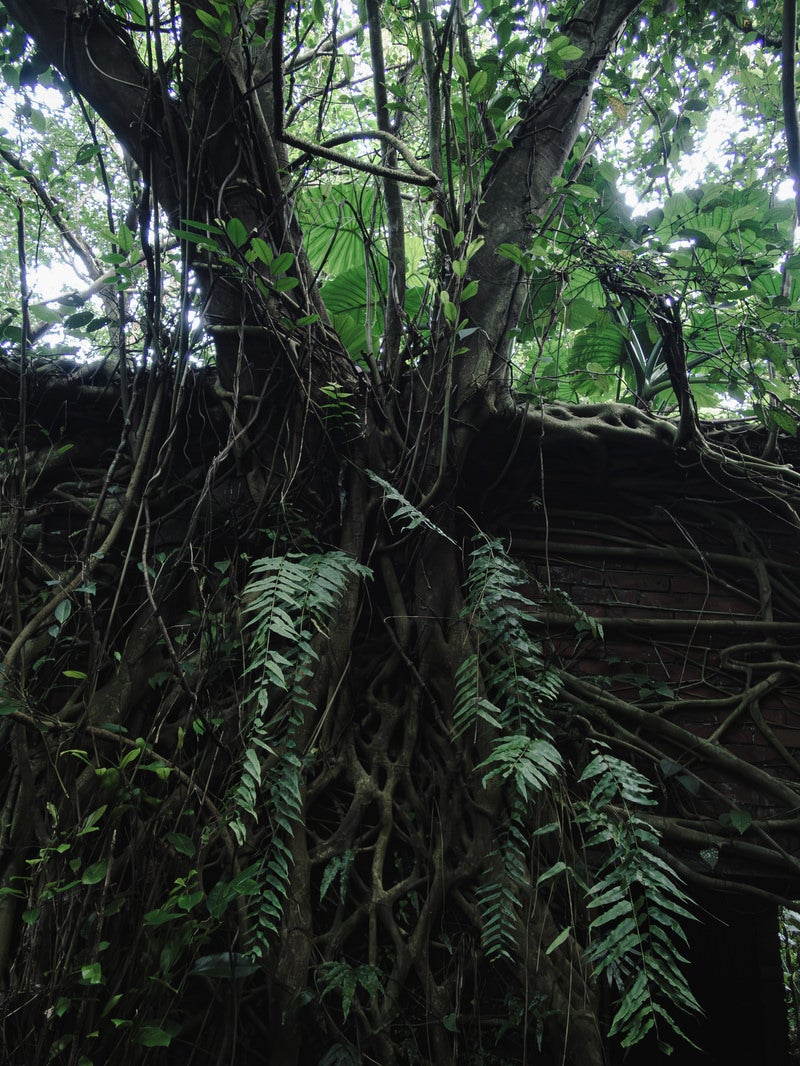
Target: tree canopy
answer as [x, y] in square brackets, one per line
[291, 777]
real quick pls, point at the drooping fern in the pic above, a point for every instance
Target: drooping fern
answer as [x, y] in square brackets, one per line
[405, 513]
[290, 601]
[505, 688]
[506, 684]
[498, 897]
[639, 905]
[505, 681]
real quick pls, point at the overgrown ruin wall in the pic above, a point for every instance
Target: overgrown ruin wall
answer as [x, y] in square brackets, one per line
[687, 570]
[670, 590]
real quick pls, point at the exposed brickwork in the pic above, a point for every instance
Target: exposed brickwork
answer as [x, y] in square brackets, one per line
[694, 576]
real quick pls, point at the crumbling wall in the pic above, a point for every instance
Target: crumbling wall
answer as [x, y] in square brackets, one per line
[670, 590]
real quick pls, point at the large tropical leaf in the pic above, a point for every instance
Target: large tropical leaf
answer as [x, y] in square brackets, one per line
[341, 223]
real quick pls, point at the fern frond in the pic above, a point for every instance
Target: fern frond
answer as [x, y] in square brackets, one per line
[469, 705]
[517, 682]
[532, 763]
[405, 512]
[290, 601]
[506, 685]
[341, 977]
[498, 897]
[638, 936]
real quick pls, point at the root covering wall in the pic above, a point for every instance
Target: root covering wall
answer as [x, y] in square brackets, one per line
[670, 589]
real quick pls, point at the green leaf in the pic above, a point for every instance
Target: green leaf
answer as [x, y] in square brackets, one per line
[87, 153]
[259, 249]
[183, 845]
[335, 219]
[189, 900]
[460, 67]
[710, 856]
[153, 1035]
[581, 313]
[556, 44]
[161, 917]
[92, 974]
[7, 707]
[91, 820]
[95, 873]
[63, 1004]
[559, 940]
[282, 262]
[478, 83]
[211, 22]
[741, 820]
[237, 232]
[583, 192]
[405, 511]
[79, 319]
[669, 768]
[286, 284]
[124, 239]
[551, 872]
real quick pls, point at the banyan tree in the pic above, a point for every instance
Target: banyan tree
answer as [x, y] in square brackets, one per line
[399, 508]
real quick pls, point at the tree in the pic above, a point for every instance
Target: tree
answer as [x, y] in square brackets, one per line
[287, 766]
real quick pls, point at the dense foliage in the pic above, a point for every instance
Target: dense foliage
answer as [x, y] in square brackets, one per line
[291, 774]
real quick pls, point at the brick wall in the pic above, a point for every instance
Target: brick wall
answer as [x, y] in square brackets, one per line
[693, 571]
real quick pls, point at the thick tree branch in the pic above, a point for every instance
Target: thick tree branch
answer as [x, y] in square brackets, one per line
[518, 188]
[433, 96]
[395, 229]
